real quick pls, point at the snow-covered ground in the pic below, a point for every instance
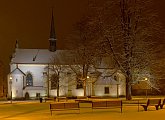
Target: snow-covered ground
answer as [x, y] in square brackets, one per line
[40, 111]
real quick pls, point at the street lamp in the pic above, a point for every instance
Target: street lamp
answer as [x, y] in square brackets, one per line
[146, 79]
[10, 82]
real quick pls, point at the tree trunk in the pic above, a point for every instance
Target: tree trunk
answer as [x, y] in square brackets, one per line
[85, 72]
[84, 87]
[93, 90]
[128, 85]
[128, 89]
[58, 87]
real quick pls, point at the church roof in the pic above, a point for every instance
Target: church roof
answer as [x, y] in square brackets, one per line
[40, 56]
[106, 81]
[17, 71]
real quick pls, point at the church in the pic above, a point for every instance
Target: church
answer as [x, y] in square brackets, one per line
[30, 76]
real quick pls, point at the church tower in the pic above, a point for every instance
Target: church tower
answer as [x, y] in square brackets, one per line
[52, 37]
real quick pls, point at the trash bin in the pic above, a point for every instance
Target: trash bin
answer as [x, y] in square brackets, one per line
[40, 100]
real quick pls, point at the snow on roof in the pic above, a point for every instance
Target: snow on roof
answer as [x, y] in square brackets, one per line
[106, 81]
[17, 71]
[40, 56]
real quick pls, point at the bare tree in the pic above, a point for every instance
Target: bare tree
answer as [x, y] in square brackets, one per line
[58, 69]
[84, 54]
[2, 82]
[127, 32]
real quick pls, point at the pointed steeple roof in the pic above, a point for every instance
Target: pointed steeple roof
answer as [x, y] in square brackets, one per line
[52, 29]
[16, 44]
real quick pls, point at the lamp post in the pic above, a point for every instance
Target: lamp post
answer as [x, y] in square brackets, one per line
[10, 82]
[145, 79]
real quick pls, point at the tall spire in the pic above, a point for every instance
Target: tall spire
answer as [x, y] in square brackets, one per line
[16, 44]
[52, 37]
[52, 30]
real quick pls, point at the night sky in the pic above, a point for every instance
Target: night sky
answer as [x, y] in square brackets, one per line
[29, 22]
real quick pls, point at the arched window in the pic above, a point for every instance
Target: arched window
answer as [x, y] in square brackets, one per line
[115, 77]
[54, 81]
[29, 80]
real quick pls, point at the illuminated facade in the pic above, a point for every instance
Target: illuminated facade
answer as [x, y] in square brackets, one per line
[30, 78]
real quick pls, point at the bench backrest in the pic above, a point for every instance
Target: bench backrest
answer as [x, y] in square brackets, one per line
[81, 97]
[64, 105]
[114, 103]
[153, 101]
[71, 105]
[99, 104]
[57, 106]
[107, 103]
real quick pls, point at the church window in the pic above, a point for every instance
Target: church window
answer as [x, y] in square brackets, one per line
[79, 84]
[29, 80]
[106, 90]
[54, 81]
[115, 77]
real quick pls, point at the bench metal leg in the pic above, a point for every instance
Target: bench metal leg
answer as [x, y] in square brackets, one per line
[145, 108]
[157, 107]
[51, 113]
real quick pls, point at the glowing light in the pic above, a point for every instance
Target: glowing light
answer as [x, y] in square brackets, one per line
[145, 79]
[87, 76]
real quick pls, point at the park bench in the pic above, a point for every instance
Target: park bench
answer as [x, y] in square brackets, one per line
[107, 104]
[62, 98]
[83, 99]
[161, 104]
[64, 106]
[95, 97]
[152, 102]
[49, 99]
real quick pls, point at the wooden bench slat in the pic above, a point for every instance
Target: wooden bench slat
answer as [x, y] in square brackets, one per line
[71, 105]
[114, 103]
[99, 104]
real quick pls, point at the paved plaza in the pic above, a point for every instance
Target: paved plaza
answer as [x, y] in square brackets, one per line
[34, 110]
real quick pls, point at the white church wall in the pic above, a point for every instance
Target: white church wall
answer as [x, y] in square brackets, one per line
[67, 84]
[36, 71]
[78, 92]
[100, 90]
[61, 92]
[122, 84]
[64, 92]
[17, 86]
[38, 79]
[33, 93]
[15, 83]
